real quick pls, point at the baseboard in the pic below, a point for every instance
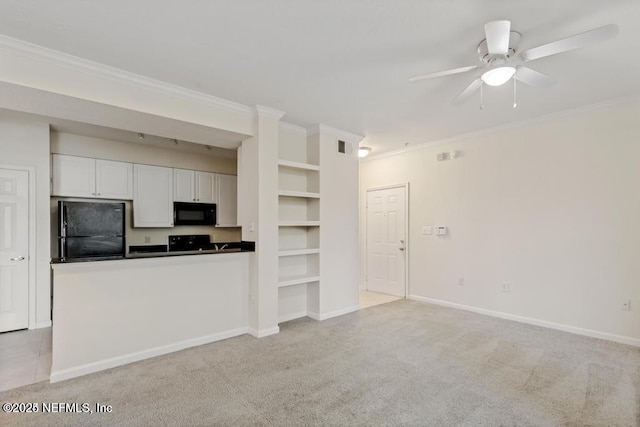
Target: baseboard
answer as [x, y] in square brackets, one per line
[532, 321]
[313, 315]
[101, 365]
[336, 313]
[264, 332]
[45, 324]
[292, 316]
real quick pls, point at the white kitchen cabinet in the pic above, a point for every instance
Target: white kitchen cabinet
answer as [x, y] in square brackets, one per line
[86, 177]
[114, 180]
[194, 186]
[227, 204]
[205, 187]
[184, 188]
[152, 196]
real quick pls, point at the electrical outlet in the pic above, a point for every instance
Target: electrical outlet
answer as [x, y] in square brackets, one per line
[505, 287]
[461, 281]
[626, 304]
[147, 239]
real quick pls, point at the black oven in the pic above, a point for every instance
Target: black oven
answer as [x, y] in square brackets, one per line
[194, 213]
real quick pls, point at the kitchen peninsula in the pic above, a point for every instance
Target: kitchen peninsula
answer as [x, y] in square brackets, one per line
[109, 313]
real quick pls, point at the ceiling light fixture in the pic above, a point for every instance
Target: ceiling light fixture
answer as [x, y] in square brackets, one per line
[498, 76]
[363, 151]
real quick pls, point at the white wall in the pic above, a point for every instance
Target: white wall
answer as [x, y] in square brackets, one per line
[99, 148]
[26, 145]
[111, 313]
[339, 263]
[552, 208]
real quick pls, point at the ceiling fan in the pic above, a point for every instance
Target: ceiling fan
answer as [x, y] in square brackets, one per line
[501, 61]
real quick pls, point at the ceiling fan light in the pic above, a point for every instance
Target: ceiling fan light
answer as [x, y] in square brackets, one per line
[363, 151]
[498, 76]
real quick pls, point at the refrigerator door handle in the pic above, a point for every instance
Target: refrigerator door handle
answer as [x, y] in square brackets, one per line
[63, 222]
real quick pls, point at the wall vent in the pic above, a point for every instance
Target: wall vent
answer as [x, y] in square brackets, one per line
[345, 147]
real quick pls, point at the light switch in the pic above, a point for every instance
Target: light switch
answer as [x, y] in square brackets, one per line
[427, 229]
[442, 231]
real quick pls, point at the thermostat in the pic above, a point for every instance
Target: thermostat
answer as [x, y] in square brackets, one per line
[442, 230]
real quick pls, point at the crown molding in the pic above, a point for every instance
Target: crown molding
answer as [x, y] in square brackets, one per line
[293, 128]
[261, 110]
[465, 137]
[76, 63]
[324, 129]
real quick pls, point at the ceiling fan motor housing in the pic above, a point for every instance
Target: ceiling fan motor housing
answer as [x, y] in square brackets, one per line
[487, 58]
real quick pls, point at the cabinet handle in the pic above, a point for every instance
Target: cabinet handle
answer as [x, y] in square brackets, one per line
[99, 194]
[18, 258]
[194, 200]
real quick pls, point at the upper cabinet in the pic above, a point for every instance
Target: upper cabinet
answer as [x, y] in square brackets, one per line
[227, 208]
[152, 196]
[85, 177]
[194, 186]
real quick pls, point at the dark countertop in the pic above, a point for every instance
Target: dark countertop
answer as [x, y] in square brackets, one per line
[244, 247]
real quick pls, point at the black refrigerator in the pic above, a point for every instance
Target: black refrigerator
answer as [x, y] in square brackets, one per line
[90, 230]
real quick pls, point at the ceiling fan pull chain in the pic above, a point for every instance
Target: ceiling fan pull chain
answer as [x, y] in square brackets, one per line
[481, 96]
[515, 93]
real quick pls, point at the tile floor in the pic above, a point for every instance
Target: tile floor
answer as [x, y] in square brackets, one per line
[369, 299]
[25, 357]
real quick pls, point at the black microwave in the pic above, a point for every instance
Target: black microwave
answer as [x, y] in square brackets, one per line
[194, 213]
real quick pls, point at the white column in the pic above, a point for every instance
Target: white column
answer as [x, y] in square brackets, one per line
[258, 174]
[339, 249]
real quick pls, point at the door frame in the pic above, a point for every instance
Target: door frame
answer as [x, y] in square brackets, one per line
[405, 187]
[31, 253]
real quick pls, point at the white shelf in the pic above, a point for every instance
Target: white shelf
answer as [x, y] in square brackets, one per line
[299, 223]
[305, 194]
[297, 280]
[294, 252]
[298, 165]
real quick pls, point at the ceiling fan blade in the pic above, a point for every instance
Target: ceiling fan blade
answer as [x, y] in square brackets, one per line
[533, 78]
[571, 43]
[442, 73]
[469, 90]
[497, 33]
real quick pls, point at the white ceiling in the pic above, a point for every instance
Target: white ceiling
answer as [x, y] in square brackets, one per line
[345, 63]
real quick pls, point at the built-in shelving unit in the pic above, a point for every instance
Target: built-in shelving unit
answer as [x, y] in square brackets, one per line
[294, 252]
[299, 216]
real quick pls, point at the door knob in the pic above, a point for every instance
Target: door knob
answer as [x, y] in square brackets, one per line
[18, 258]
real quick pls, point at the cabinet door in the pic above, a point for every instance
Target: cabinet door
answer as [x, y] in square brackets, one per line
[184, 189]
[152, 196]
[205, 186]
[73, 176]
[227, 207]
[114, 180]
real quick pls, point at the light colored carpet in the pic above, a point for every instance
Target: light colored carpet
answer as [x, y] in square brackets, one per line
[401, 363]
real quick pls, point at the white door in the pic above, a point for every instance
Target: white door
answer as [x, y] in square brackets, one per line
[14, 250]
[386, 245]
